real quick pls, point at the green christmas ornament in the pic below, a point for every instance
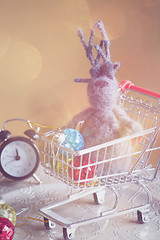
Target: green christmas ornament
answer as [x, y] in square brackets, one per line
[8, 212]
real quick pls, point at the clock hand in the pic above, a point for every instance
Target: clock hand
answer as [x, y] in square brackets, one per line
[9, 156]
[17, 157]
[9, 162]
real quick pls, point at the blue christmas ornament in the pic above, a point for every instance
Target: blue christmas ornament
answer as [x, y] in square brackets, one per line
[73, 139]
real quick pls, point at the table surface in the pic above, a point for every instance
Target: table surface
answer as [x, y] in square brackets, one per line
[32, 196]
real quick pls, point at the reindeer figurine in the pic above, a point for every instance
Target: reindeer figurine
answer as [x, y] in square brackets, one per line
[105, 120]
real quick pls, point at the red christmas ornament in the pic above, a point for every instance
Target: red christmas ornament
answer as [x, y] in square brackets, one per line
[6, 229]
[82, 173]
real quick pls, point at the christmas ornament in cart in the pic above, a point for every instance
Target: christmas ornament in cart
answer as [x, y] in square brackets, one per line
[116, 138]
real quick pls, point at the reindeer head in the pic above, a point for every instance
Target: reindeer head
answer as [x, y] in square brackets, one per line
[102, 86]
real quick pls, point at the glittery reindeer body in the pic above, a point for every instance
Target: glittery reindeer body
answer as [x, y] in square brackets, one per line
[105, 120]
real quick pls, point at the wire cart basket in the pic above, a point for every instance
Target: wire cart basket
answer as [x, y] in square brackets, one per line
[132, 165]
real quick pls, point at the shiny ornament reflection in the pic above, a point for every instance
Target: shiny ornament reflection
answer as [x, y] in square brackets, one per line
[6, 229]
[73, 140]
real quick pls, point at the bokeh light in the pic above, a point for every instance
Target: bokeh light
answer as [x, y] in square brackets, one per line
[4, 43]
[113, 16]
[21, 62]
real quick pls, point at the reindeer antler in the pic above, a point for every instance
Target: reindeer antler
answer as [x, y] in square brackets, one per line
[106, 41]
[104, 54]
[88, 48]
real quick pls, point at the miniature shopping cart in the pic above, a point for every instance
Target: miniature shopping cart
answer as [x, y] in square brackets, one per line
[133, 165]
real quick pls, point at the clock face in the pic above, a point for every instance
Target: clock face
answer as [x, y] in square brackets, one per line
[19, 158]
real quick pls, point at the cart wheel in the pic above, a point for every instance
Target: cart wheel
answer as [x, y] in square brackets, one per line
[48, 224]
[143, 217]
[68, 233]
[99, 197]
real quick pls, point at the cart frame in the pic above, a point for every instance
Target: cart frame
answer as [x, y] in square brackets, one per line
[59, 162]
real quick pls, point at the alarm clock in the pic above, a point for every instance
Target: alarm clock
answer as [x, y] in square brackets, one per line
[19, 155]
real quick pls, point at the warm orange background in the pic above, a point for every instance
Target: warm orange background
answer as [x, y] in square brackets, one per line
[41, 54]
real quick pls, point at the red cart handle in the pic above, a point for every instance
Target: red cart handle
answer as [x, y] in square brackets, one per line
[129, 85]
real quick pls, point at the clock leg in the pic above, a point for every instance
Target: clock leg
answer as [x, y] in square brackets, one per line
[37, 178]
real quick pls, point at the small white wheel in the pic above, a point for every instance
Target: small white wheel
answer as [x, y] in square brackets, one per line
[48, 224]
[99, 197]
[68, 233]
[143, 217]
